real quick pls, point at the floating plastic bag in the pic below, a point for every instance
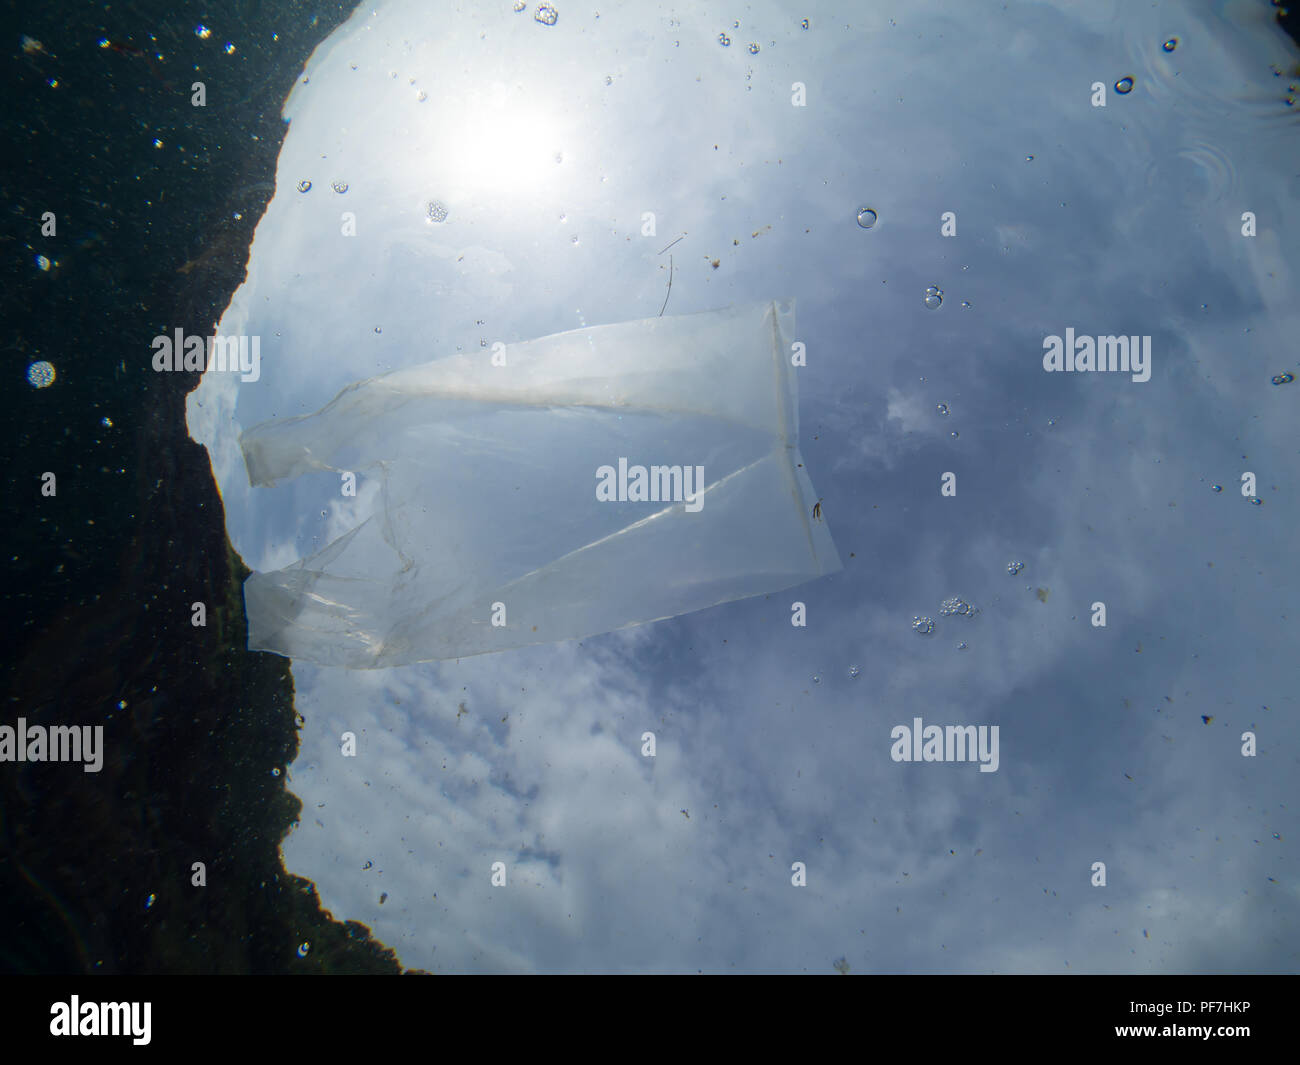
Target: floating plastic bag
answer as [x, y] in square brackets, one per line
[600, 478]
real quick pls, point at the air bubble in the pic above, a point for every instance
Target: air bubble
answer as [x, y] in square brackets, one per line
[1257, 502]
[965, 303]
[922, 626]
[519, 6]
[724, 40]
[275, 772]
[942, 408]
[959, 607]
[854, 672]
[546, 15]
[1284, 379]
[1124, 86]
[933, 297]
[1170, 44]
[1216, 488]
[340, 187]
[817, 678]
[148, 903]
[804, 24]
[44, 264]
[1015, 567]
[379, 329]
[866, 217]
[304, 185]
[303, 948]
[753, 49]
[961, 646]
[40, 374]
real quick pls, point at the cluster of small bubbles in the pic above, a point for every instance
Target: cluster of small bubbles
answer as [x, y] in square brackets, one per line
[546, 15]
[942, 408]
[1051, 423]
[933, 296]
[1216, 488]
[40, 374]
[1256, 502]
[1170, 44]
[148, 903]
[340, 187]
[230, 48]
[1284, 378]
[961, 646]
[378, 329]
[854, 671]
[304, 185]
[202, 32]
[922, 626]
[866, 217]
[804, 24]
[1124, 86]
[724, 40]
[954, 434]
[482, 342]
[573, 239]
[817, 678]
[303, 948]
[44, 264]
[753, 48]
[957, 606]
[106, 422]
[157, 142]
[519, 6]
[275, 772]
[736, 24]
[609, 80]
[1015, 567]
[437, 212]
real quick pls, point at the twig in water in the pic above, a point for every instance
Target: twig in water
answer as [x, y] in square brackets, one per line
[670, 286]
[682, 237]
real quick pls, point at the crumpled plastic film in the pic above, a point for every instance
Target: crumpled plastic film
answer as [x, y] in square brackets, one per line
[510, 509]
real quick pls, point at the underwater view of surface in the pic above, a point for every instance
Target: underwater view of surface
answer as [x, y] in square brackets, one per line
[520, 488]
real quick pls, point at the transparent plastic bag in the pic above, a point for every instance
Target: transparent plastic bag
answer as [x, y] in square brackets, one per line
[511, 510]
